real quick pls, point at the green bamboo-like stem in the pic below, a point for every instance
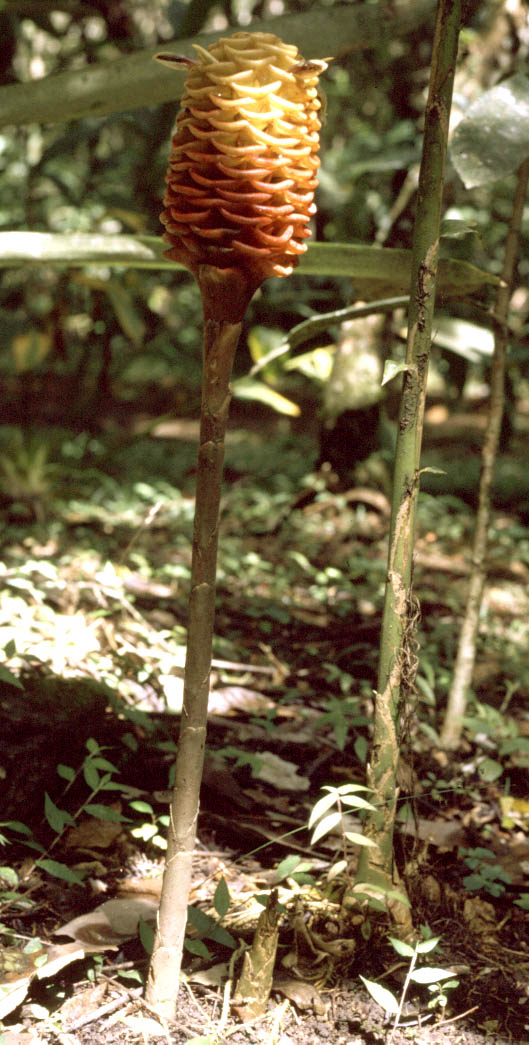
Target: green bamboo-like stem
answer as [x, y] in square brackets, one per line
[376, 863]
[466, 651]
[225, 295]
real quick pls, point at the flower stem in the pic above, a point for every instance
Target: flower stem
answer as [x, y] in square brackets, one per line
[223, 291]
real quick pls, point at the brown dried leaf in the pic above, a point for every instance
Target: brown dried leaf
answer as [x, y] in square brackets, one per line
[94, 834]
[231, 699]
[280, 773]
[110, 924]
[303, 994]
[74, 1008]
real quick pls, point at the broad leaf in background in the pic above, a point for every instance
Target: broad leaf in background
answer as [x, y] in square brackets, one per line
[492, 139]
[376, 272]
[467, 340]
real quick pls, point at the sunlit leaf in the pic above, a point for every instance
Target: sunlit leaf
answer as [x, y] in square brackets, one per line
[263, 340]
[9, 875]
[492, 139]
[358, 839]
[321, 806]
[144, 831]
[356, 802]
[256, 391]
[336, 869]
[159, 841]
[325, 826]
[391, 369]
[428, 975]
[287, 866]
[401, 947]
[465, 339]
[131, 974]
[382, 996]
[316, 365]
[425, 946]
[141, 807]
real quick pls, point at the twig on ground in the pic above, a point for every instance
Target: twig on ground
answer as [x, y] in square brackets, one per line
[103, 1010]
[460, 1016]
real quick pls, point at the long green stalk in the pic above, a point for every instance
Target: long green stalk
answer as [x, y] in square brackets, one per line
[466, 651]
[395, 675]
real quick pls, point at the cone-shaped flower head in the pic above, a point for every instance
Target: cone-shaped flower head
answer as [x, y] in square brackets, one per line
[244, 156]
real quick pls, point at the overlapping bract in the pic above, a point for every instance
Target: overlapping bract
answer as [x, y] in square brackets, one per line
[244, 157]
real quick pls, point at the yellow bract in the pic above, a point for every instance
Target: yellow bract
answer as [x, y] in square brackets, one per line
[244, 157]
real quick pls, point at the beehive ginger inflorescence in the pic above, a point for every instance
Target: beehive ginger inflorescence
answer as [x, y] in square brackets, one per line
[244, 157]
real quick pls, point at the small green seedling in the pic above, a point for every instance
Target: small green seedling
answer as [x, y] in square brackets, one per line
[97, 772]
[485, 875]
[328, 814]
[430, 976]
[153, 828]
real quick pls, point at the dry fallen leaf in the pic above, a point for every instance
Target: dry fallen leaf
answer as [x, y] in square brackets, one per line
[19, 1034]
[303, 994]
[82, 1002]
[110, 924]
[95, 834]
[143, 1025]
[281, 774]
[480, 916]
[445, 834]
[18, 969]
[212, 977]
[230, 699]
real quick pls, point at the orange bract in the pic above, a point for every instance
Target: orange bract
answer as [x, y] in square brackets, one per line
[242, 171]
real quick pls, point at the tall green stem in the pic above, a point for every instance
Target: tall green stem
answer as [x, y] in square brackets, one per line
[225, 295]
[466, 650]
[376, 864]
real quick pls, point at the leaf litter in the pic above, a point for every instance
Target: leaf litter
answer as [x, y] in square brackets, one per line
[296, 643]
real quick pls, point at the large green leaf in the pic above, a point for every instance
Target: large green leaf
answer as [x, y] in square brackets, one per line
[493, 138]
[376, 272]
[135, 81]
